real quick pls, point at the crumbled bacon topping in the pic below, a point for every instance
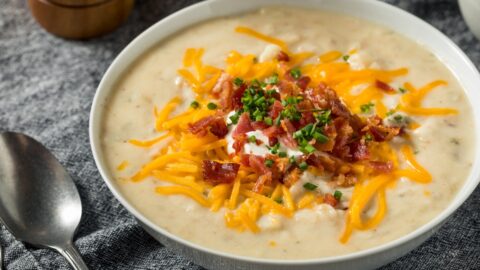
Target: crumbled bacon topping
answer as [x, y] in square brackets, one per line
[283, 56]
[384, 87]
[219, 173]
[215, 124]
[340, 143]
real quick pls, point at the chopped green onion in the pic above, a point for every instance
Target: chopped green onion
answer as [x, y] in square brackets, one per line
[238, 82]
[303, 166]
[292, 159]
[390, 112]
[234, 118]
[252, 139]
[258, 118]
[402, 90]
[278, 200]
[324, 117]
[366, 108]
[282, 154]
[319, 137]
[309, 149]
[274, 149]
[211, 106]
[368, 137]
[195, 104]
[346, 57]
[268, 121]
[277, 121]
[268, 163]
[398, 118]
[310, 186]
[296, 73]
[272, 80]
[337, 194]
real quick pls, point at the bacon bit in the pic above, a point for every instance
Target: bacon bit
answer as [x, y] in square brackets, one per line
[200, 127]
[287, 88]
[360, 151]
[283, 57]
[219, 173]
[307, 118]
[277, 107]
[303, 82]
[258, 125]
[243, 126]
[239, 142]
[288, 140]
[329, 199]
[344, 131]
[245, 160]
[328, 163]
[317, 96]
[261, 182]
[216, 125]
[257, 163]
[381, 166]
[226, 94]
[237, 97]
[225, 77]
[345, 180]
[380, 133]
[385, 87]
[292, 177]
[272, 133]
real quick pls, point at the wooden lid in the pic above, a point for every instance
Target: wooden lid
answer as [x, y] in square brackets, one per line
[80, 19]
[77, 3]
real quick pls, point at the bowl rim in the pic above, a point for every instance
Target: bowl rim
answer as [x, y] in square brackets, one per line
[96, 115]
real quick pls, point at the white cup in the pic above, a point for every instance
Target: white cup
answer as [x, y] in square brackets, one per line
[471, 13]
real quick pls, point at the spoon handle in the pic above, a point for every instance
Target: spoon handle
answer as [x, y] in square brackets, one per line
[73, 256]
[1, 257]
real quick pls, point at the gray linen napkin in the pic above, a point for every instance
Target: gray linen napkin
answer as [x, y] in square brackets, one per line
[46, 89]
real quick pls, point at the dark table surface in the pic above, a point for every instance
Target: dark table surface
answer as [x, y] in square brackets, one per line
[46, 88]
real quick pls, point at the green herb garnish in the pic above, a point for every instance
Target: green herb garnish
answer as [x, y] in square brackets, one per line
[337, 194]
[303, 166]
[296, 73]
[252, 139]
[282, 154]
[346, 57]
[402, 90]
[195, 104]
[323, 117]
[234, 118]
[310, 186]
[238, 82]
[211, 106]
[274, 149]
[278, 200]
[272, 80]
[292, 160]
[268, 121]
[391, 112]
[268, 163]
[366, 108]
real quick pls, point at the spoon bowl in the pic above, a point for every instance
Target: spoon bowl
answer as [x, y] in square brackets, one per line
[39, 203]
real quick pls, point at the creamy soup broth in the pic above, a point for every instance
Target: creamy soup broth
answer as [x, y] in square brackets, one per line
[444, 143]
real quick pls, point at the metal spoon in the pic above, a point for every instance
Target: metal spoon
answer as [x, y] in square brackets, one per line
[39, 203]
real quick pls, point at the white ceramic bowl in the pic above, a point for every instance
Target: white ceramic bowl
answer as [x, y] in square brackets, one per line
[375, 11]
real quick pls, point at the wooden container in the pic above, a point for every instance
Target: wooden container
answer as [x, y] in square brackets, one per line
[80, 19]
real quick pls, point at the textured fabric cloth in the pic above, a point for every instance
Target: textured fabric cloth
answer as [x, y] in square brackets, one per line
[46, 88]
